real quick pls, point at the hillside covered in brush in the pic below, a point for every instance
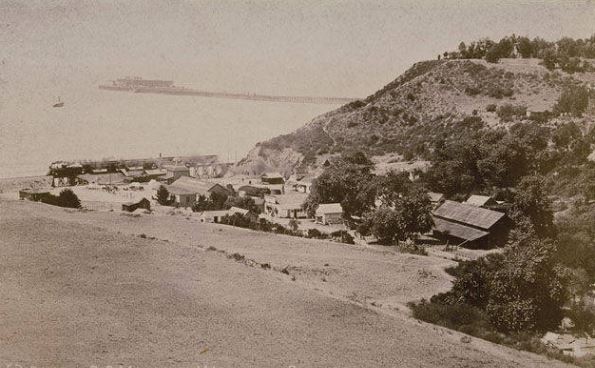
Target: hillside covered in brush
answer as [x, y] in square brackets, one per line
[430, 102]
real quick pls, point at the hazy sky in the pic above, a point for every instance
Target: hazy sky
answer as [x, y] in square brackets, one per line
[312, 47]
[343, 48]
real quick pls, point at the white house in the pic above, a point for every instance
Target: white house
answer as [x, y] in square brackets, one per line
[329, 213]
[286, 206]
[216, 216]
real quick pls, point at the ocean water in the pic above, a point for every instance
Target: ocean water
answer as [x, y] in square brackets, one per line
[97, 124]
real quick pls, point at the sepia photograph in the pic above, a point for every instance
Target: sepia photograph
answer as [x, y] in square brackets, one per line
[297, 183]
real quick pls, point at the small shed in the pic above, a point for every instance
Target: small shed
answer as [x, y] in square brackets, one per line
[469, 225]
[436, 198]
[131, 206]
[329, 213]
[480, 201]
[273, 178]
[33, 195]
[213, 216]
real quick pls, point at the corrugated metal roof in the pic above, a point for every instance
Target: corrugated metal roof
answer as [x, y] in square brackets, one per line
[458, 230]
[467, 214]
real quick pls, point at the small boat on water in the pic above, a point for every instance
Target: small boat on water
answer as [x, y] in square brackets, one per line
[59, 103]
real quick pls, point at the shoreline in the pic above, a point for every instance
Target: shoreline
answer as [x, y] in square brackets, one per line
[23, 182]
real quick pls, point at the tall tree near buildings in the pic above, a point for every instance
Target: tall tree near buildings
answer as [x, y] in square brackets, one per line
[163, 196]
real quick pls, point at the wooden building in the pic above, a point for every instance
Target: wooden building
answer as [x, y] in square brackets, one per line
[329, 213]
[470, 226]
[131, 206]
[33, 195]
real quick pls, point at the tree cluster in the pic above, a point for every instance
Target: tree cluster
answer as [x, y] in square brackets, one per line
[490, 160]
[566, 53]
[390, 207]
[522, 289]
[215, 201]
[250, 221]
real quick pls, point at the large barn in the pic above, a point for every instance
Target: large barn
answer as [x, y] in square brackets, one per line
[470, 226]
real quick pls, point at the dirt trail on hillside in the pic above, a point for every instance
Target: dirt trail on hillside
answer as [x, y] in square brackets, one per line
[77, 292]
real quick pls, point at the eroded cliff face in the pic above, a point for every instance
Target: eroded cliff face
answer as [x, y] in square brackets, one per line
[261, 159]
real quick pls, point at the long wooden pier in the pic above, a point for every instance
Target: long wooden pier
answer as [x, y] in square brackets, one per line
[174, 90]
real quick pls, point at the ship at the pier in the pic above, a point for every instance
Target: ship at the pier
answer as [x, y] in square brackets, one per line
[140, 85]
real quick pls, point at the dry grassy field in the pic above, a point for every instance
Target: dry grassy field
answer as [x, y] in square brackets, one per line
[86, 288]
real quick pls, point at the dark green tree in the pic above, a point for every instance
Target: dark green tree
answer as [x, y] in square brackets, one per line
[493, 54]
[527, 291]
[531, 202]
[525, 47]
[69, 199]
[349, 182]
[242, 202]
[410, 215]
[163, 196]
[386, 224]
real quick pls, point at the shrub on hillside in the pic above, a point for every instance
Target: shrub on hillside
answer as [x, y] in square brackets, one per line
[509, 112]
[472, 91]
[67, 198]
[409, 246]
[316, 234]
[541, 116]
[499, 92]
[458, 316]
[573, 100]
[342, 236]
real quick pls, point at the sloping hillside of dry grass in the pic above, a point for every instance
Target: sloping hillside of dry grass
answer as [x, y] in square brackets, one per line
[79, 290]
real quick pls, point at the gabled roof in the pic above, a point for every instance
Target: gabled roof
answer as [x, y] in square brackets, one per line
[176, 168]
[188, 185]
[479, 200]
[252, 190]
[468, 215]
[329, 208]
[132, 173]
[289, 201]
[457, 230]
[233, 210]
[155, 172]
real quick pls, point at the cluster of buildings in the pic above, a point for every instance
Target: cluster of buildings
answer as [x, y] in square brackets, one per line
[114, 172]
[275, 196]
[478, 222]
